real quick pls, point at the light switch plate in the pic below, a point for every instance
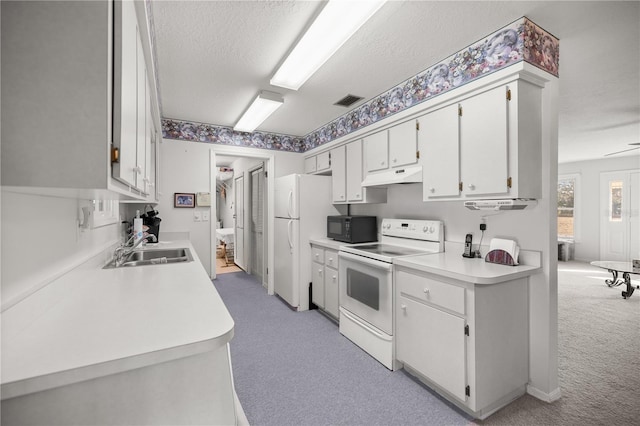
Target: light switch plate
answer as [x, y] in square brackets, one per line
[197, 216]
[205, 216]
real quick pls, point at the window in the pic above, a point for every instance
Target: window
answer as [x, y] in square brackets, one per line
[567, 206]
[615, 201]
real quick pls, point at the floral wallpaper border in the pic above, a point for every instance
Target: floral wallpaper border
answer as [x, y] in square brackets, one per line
[519, 41]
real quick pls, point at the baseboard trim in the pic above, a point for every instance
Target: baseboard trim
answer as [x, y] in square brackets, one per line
[544, 396]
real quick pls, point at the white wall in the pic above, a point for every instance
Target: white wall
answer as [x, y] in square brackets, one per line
[41, 240]
[587, 245]
[185, 167]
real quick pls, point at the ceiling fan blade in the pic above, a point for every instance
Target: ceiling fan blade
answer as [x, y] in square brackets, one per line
[619, 152]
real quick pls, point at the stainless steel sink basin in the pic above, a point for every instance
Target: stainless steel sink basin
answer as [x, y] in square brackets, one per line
[154, 257]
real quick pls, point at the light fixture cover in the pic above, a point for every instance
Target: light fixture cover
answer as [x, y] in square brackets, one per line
[337, 21]
[260, 109]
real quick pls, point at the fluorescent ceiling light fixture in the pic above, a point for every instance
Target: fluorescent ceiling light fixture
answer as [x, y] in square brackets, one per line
[337, 21]
[260, 109]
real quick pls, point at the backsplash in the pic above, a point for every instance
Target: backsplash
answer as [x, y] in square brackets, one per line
[519, 41]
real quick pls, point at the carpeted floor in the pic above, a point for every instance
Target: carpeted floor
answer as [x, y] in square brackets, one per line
[296, 368]
[598, 356]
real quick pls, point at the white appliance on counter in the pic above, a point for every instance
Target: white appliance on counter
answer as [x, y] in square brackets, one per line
[366, 282]
[302, 204]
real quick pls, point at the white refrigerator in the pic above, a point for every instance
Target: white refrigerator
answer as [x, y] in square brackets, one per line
[302, 204]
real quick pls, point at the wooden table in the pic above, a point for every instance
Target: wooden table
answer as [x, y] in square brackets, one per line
[615, 268]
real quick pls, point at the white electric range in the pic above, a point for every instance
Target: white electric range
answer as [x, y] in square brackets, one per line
[366, 282]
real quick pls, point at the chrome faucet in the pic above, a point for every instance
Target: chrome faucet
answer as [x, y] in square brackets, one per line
[121, 252]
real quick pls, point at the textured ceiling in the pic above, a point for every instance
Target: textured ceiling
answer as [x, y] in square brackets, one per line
[213, 58]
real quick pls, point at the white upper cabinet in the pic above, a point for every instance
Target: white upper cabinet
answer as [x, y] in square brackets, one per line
[376, 148]
[483, 141]
[323, 161]
[318, 164]
[486, 145]
[354, 171]
[81, 91]
[339, 174]
[403, 144]
[439, 148]
[310, 164]
[347, 174]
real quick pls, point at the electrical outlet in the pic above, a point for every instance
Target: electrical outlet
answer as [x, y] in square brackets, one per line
[483, 226]
[197, 216]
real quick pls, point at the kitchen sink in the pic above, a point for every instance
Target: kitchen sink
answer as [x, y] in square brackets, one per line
[153, 257]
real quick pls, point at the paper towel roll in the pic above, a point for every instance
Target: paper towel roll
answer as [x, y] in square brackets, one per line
[509, 246]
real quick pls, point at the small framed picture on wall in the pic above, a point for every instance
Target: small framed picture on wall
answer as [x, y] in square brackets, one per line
[181, 199]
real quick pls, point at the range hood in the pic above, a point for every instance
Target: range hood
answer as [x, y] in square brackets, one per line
[514, 204]
[409, 174]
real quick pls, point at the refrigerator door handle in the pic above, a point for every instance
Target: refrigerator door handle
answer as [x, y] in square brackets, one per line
[290, 203]
[289, 226]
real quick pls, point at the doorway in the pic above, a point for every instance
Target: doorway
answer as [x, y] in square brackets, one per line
[252, 186]
[619, 227]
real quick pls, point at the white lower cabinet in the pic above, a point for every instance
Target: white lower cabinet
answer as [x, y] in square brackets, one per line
[467, 342]
[324, 281]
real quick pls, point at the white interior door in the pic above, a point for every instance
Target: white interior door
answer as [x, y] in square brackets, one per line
[256, 240]
[238, 249]
[619, 232]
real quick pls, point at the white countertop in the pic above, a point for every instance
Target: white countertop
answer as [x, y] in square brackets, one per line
[451, 264]
[93, 322]
[327, 243]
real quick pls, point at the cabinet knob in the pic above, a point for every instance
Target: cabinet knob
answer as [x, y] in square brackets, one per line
[432, 190]
[471, 186]
[426, 291]
[319, 271]
[317, 254]
[395, 160]
[137, 169]
[334, 278]
[331, 259]
[382, 163]
[404, 307]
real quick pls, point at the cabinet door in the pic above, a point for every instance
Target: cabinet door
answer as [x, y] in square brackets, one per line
[317, 284]
[354, 171]
[439, 150]
[483, 143]
[376, 149]
[339, 174]
[126, 104]
[331, 292]
[403, 144]
[432, 342]
[323, 162]
[148, 128]
[310, 164]
[141, 118]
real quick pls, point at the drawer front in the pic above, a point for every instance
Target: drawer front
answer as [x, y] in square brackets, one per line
[331, 258]
[317, 254]
[435, 292]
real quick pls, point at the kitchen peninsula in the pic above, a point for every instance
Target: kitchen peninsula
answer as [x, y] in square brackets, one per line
[131, 345]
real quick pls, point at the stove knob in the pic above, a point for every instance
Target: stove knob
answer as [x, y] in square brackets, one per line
[432, 229]
[425, 229]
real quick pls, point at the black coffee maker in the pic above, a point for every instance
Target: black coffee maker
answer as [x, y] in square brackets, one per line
[151, 220]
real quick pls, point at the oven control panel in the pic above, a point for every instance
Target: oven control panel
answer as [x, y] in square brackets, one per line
[429, 230]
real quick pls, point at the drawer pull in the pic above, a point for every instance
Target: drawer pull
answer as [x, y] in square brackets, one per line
[426, 291]
[404, 307]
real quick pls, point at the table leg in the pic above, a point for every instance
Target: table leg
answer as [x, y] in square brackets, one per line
[615, 281]
[630, 288]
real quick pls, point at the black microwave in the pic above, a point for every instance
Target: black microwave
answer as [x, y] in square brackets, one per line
[352, 229]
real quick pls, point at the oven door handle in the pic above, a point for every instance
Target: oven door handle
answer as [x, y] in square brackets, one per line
[365, 260]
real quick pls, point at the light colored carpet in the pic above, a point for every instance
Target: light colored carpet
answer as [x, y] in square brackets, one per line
[598, 356]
